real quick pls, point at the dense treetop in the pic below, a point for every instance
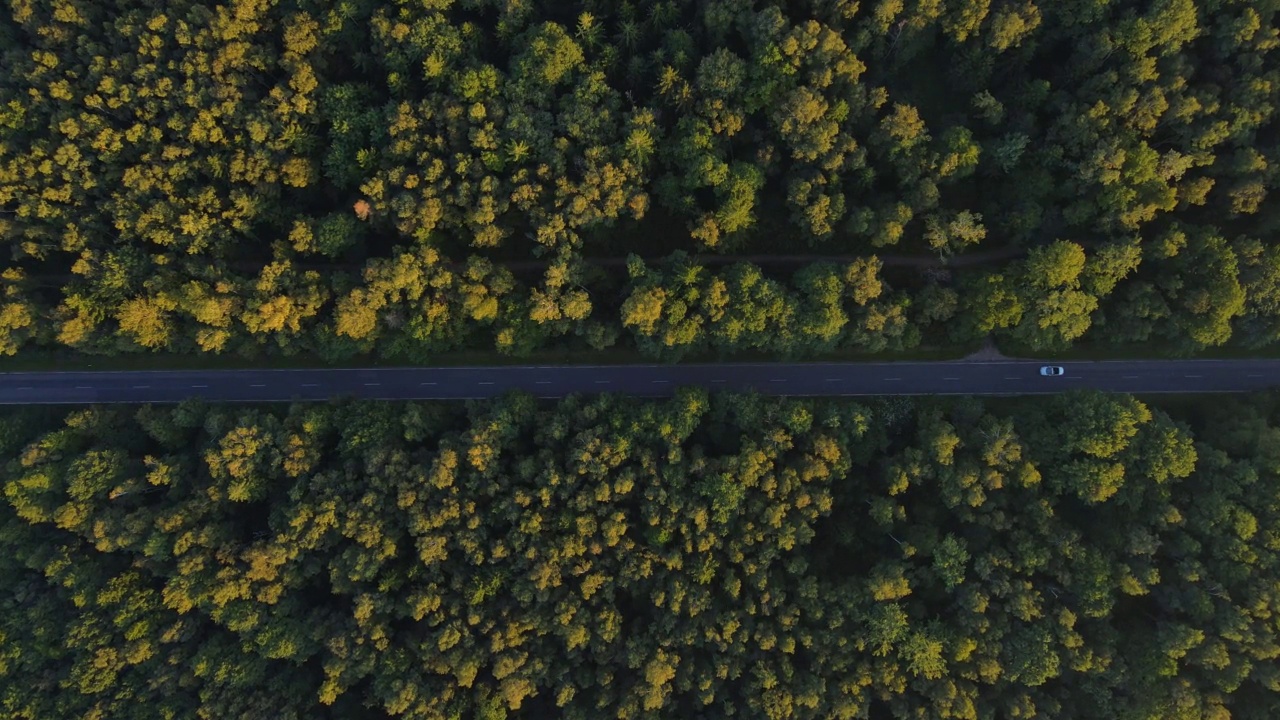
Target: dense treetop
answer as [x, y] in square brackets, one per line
[719, 556]
[250, 176]
[408, 178]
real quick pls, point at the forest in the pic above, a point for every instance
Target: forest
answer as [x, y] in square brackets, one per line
[705, 556]
[352, 179]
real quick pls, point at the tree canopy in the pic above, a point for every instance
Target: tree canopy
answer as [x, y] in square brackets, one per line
[702, 556]
[241, 177]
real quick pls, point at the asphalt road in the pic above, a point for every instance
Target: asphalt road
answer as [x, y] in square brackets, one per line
[1011, 377]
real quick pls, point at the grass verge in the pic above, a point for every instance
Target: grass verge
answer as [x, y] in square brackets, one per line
[46, 361]
[1154, 351]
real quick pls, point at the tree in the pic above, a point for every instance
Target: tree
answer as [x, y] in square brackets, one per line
[1011, 25]
[758, 312]
[820, 312]
[953, 235]
[1057, 311]
[1110, 264]
[1260, 279]
[550, 56]
[989, 303]
[147, 321]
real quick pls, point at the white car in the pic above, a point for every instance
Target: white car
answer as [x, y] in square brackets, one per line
[1051, 371]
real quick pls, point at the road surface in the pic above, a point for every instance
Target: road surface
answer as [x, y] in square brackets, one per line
[1011, 377]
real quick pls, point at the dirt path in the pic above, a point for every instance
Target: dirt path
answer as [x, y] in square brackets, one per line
[918, 261]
